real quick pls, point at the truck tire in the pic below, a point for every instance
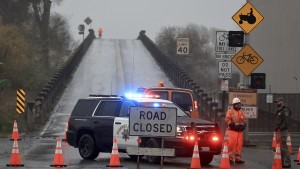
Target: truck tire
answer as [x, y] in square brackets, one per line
[153, 143]
[206, 159]
[87, 148]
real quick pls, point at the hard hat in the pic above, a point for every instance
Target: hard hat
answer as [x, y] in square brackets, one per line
[161, 84]
[236, 100]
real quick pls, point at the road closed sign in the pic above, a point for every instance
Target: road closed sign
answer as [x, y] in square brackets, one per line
[152, 122]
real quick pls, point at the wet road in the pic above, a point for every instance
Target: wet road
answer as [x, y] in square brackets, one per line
[42, 157]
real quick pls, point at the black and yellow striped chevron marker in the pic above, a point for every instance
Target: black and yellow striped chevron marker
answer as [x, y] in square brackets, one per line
[20, 101]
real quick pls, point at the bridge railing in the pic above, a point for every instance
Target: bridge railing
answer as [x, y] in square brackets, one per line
[38, 110]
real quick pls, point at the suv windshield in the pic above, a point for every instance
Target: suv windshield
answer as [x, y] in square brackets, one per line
[180, 112]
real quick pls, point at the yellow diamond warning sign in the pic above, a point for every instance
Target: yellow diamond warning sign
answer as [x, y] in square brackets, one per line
[247, 17]
[247, 60]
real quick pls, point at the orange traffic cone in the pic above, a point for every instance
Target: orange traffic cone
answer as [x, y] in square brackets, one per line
[289, 144]
[114, 158]
[277, 163]
[58, 160]
[274, 140]
[15, 133]
[226, 137]
[15, 160]
[298, 157]
[65, 135]
[225, 164]
[195, 163]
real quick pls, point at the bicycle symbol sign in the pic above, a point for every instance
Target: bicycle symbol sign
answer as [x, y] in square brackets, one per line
[222, 42]
[247, 60]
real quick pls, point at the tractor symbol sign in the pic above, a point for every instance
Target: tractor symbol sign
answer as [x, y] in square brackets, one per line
[247, 17]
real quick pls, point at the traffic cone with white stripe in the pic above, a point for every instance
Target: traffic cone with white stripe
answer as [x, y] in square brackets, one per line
[274, 140]
[65, 135]
[289, 143]
[195, 163]
[114, 158]
[226, 137]
[298, 157]
[15, 160]
[15, 133]
[225, 164]
[277, 163]
[58, 160]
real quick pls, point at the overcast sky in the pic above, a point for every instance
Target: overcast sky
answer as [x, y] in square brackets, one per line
[123, 19]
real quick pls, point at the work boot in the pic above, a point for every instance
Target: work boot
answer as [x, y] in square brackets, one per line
[239, 161]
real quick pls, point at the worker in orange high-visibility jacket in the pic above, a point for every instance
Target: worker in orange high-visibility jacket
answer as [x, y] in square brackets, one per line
[236, 120]
[100, 31]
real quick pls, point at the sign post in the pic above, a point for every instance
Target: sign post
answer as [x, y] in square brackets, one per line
[81, 30]
[88, 21]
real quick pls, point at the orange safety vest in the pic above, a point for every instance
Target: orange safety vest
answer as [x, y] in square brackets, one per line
[237, 117]
[100, 30]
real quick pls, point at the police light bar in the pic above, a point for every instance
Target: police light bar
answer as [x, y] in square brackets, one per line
[137, 95]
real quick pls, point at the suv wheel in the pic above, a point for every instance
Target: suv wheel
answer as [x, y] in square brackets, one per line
[206, 159]
[87, 148]
[153, 143]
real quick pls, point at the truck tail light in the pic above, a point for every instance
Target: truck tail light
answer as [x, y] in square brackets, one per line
[215, 138]
[196, 104]
[191, 138]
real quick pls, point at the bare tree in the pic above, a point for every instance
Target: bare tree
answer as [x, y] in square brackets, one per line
[41, 10]
[14, 11]
[200, 63]
[60, 40]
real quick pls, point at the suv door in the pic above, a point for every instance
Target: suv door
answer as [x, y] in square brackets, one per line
[121, 131]
[103, 119]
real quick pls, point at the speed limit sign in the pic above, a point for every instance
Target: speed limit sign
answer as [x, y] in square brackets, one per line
[183, 46]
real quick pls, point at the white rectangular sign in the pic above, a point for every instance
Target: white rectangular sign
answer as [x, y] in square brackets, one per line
[166, 152]
[223, 56]
[224, 85]
[225, 70]
[153, 121]
[269, 98]
[222, 42]
[183, 45]
[250, 111]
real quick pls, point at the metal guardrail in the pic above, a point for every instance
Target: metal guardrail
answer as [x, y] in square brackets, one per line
[38, 110]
